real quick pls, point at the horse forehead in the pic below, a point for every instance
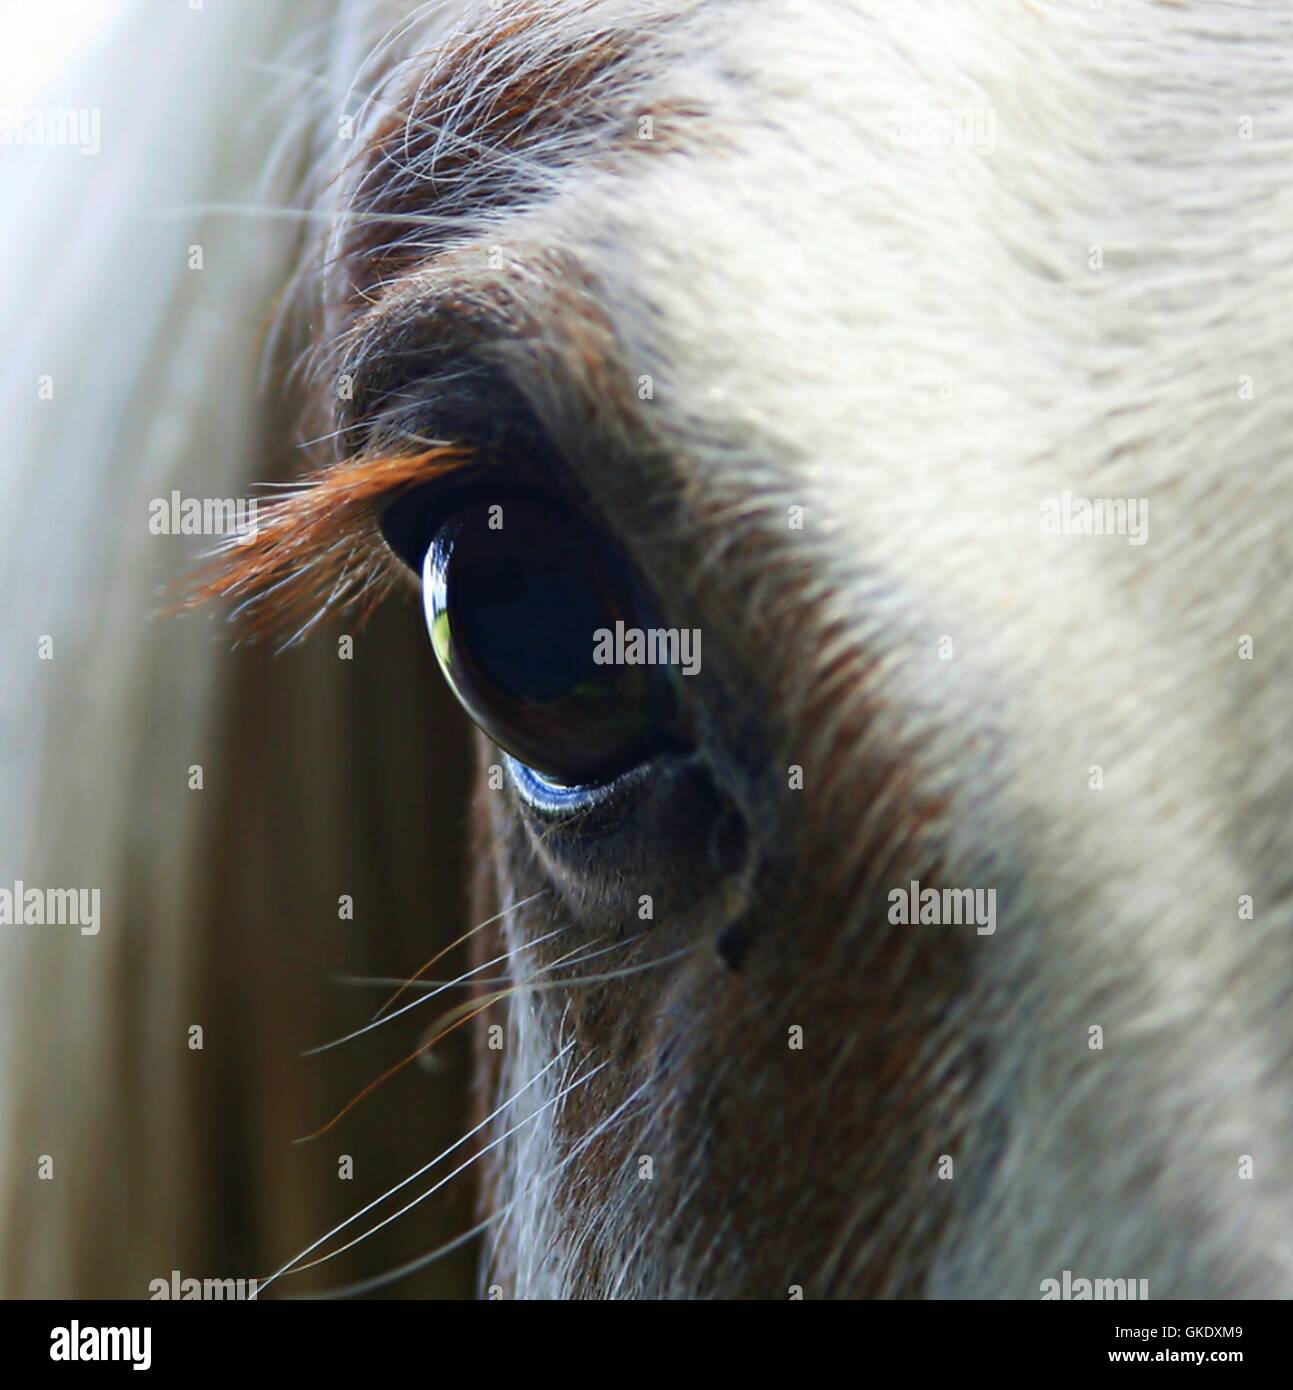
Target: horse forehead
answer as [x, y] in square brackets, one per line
[933, 276]
[898, 225]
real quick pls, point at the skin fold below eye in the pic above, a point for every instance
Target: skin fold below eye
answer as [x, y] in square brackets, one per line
[515, 595]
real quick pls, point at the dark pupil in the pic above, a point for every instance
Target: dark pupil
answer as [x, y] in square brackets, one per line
[514, 610]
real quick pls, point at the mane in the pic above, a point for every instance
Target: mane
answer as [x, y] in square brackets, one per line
[219, 905]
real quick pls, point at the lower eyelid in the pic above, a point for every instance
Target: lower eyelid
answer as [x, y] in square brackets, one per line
[553, 799]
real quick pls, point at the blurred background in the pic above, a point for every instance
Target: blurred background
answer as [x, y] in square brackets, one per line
[40, 37]
[224, 799]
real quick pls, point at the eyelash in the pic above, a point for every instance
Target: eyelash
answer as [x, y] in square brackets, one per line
[319, 548]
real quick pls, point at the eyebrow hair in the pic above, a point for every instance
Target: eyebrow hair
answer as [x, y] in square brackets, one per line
[486, 120]
[318, 548]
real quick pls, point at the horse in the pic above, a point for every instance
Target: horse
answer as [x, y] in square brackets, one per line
[835, 454]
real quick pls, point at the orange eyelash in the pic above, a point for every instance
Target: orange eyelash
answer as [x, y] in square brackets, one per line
[319, 547]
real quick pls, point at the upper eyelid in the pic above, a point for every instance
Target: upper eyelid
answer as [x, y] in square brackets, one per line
[386, 383]
[464, 393]
[409, 337]
[540, 321]
[444, 385]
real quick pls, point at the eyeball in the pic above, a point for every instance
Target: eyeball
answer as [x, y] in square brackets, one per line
[518, 598]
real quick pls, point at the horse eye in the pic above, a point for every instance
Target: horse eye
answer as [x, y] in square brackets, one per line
[517, 595]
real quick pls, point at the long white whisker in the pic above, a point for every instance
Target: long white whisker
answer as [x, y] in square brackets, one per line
[416, 1003]
[386, 981]
[412, 1177]
[524, 986]
[449, 1177]
[391, 1276]
[480, 926]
